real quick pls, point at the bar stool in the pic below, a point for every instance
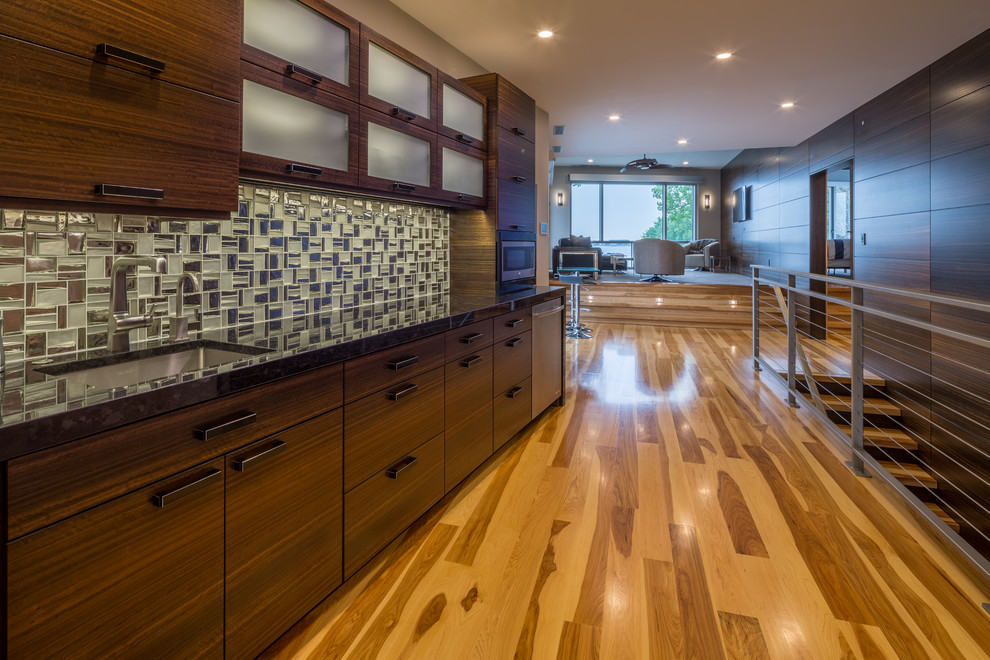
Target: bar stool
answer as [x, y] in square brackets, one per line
[575, 329]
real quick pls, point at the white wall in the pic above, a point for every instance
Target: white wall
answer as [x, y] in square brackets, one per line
[708, 225]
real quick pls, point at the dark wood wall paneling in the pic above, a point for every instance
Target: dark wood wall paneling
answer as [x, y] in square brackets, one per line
[921, 188]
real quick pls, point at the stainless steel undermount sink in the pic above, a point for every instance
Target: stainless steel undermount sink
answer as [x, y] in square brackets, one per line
[125, 369]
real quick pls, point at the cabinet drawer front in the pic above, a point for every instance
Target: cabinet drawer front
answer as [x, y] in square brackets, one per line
[370, 373]
[468, 338]
[381, 428]
[467, 443]
[516, 206]
[283, 531]
[513, 410]
[468, 384]
[198, 43]
[47, 486]
[126, 578]
[513, 323]
[111, 127]
[381, 507]
[513, 361]
[516, 161]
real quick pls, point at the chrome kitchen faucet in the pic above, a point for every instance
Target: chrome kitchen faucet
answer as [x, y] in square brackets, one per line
[119, 324]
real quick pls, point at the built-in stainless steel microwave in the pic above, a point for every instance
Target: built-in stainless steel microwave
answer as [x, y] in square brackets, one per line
[516, 259]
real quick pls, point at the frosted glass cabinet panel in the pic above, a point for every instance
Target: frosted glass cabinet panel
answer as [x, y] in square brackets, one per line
[463, 114]
[300, 35]
[395, 81]
[294, 129]
[463, 173]
[398, 157]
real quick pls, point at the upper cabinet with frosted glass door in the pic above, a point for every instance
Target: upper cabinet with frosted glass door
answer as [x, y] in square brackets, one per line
[306, 40]
[396, 82]
[462, 113]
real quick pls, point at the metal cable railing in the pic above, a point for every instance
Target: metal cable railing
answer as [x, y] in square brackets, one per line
[909, 415]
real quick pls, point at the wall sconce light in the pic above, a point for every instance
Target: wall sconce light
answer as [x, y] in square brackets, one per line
[560, 199]
[708, 202]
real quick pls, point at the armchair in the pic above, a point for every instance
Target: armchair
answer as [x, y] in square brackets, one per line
[655, 256]
[699, 253]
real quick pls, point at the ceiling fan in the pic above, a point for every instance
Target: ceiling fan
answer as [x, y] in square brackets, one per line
[644, 163]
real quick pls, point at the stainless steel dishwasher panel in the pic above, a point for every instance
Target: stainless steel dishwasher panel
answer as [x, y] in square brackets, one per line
[548, 337]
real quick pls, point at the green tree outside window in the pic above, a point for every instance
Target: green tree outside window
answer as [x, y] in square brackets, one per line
[680, 213]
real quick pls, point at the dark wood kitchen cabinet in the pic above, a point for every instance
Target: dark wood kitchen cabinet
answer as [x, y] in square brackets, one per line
[398, 158]
[319, 145]
[511, 153]
[78, 131]
[398, 83]
[140, 576]
[284, 531]
[462, 174]
[467, 407]
[512, 385]
[191, 44]
[463, 113]
[307, 41]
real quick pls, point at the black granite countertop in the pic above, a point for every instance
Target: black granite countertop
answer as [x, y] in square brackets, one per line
[39, 410]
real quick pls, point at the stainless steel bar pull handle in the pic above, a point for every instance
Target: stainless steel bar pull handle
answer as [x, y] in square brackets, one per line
[405, 391]
[240, 420]
[402, 364]
[515, 341]
[519, 131]
[403, 187]
[470, 339]
[473, 360]
[404, 115]
[163, 499]
[404, 464]
[519, 179]
[109, 50]
[242, 464]
[465, 139]
[304, 72]
[512, 393]
[513, 323]
[129, 191]
[294, 168]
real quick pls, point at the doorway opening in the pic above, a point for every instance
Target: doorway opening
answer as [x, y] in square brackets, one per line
[830, 232]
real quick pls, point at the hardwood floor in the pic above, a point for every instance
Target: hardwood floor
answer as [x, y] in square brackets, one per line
[674, 508]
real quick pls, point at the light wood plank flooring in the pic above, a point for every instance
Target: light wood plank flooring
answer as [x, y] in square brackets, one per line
[674, 508]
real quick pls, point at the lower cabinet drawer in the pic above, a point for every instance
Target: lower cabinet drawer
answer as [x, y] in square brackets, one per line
[382, 428]
[513, 361]
[53, 484]
[513, 410]
[377, 510]
[467, 444]
[284, 537]
[139, 577]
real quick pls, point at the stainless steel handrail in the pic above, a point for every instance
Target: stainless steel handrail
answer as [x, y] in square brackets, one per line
[782, 319]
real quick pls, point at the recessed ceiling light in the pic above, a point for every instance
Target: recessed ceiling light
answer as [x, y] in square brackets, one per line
[723, 56]
[591, 160]
[544, 34]
[684, 163]
[613, 117]
[789, 104]
[682, 141]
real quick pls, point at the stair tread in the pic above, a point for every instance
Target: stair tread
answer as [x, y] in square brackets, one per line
[909, 475]
[870, 406]
[840, 379]
[886, 438]
[941, 513]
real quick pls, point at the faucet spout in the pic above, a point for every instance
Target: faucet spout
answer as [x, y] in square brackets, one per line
[119, 323]
[178, 326]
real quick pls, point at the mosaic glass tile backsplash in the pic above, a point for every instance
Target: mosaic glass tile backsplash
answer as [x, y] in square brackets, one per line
[285, 253]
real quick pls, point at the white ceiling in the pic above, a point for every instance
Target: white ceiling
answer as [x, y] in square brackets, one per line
[653, 63]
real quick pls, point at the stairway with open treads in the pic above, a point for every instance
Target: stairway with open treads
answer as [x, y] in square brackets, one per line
[895, 450]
